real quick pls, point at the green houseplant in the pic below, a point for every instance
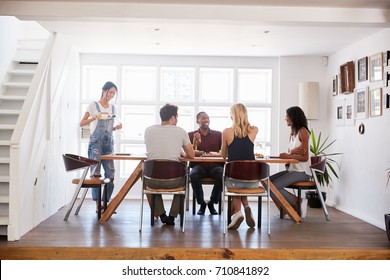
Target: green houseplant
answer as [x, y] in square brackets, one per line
[318, 147]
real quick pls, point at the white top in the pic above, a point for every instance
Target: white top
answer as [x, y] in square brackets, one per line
[165, 141]
[302, 165]
[94, 112]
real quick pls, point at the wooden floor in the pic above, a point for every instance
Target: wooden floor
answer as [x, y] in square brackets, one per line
[82, 237]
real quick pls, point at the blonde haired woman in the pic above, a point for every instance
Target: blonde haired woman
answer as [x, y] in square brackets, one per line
[237, 144]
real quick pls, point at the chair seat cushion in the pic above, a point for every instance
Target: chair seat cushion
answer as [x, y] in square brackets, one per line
[178, 189]
[246, 191]
[304, 184]
[92, 181]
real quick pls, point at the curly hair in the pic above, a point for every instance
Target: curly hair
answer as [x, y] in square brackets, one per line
[298, 119]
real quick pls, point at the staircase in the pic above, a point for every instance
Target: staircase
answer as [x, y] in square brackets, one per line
[13, 92]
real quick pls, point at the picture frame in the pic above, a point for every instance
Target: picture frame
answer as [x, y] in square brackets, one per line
[376, 67]
[386, 100]
[362, 69]
[335, 85]
[361, 103]
[386, 57]
[340, 112]
[350, 109]
[347, 77]
[376, 102]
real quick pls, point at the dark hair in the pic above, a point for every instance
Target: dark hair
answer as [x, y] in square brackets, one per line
[200, 113]
[107, 86]
[167, 111]
[298, 119]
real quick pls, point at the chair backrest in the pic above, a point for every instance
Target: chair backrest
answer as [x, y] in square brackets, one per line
[73, 162]
[318, 164]
[246, 170]
[164, 169]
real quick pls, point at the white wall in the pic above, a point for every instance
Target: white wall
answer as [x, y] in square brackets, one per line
[361, 190]
[10, 29]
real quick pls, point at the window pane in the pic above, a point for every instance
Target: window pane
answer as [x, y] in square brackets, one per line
[186, 118]
[128, 166]
[135, 119]
[219, 117]
[215, 85]
[94, 78]
[139, 83]
[177, 84]
[255, 85]
[261, 117]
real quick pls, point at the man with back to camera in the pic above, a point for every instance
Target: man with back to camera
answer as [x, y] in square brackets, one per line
[207, 140]
[168, 142]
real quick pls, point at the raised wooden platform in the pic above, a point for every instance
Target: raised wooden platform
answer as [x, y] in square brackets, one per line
[82, 237]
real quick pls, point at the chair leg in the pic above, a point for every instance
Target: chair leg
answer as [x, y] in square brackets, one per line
[299, 206]
[99, 213]
[323, 204]
[141, 211]
[152, 199]
[220, 206]
[76, 193]
[81, 201]
[193, 204]
[259, 211]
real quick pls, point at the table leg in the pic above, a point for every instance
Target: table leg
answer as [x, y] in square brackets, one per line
[113, 205]
[284, 204]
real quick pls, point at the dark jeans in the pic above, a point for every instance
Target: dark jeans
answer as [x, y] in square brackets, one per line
[199, 172]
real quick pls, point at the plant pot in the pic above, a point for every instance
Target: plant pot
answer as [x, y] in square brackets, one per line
[387, 224]
[313, 199]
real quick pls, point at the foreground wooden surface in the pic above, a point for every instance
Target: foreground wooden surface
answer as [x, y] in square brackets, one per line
[64, 253]
[83, 237]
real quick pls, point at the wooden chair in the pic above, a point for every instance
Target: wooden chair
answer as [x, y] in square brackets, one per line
[206, 181]
[317, 167]
[75, 162]
[246, 171]
[164, 171]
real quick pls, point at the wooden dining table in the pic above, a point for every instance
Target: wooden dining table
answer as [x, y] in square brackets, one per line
[137, 172]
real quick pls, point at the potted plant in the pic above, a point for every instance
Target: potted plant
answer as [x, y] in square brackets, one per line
[318, 148]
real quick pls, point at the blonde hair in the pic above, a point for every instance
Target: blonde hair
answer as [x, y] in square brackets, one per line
[241, 125]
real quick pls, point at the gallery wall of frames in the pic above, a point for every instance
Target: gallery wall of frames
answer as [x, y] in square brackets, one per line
[365, 86]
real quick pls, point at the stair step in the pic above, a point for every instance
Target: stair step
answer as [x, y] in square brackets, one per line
[9, 112]
[7, 126]
[12, 97]
[16, 84]
[4, 199]
[25, 60]
[4, 179]
[4, 159]
[21, 72]
[4, 220]
[5, 142]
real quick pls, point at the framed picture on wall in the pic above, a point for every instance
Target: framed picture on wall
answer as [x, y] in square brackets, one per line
[361, 103]
[340, 112]
[376, 67]
[350, 109]
[376, 102]
[335, 85]
[362, 69]
[347, 77]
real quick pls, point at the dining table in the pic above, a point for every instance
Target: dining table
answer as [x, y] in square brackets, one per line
[137, 173]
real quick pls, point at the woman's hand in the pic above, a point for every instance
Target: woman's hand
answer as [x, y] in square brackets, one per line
[284, 155]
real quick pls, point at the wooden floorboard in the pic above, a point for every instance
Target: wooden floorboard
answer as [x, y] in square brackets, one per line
[82, 237]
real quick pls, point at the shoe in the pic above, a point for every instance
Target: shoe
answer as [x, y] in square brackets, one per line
[164, 218]
[202, 209]
[237, 219]
[210, 205]
[170, 221]
[250, 221]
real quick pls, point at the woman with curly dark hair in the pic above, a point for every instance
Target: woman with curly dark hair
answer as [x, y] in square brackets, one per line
[298, 149]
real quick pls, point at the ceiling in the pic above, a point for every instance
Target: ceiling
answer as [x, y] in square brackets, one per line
[214, 27]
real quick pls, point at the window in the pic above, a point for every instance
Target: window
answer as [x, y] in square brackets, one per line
[144, 89]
